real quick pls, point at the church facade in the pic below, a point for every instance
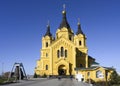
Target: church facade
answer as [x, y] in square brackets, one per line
[67, 54]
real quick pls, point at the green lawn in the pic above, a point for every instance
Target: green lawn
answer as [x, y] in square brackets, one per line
[2, 80]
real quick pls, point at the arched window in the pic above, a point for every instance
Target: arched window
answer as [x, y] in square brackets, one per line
[88, 74]
[46, 44]
[99, 74]
[81, 65]
[80, 43]
[65, 53]
[70, 38]
[58, 53]
[62, 51]
[46, 54]
[46, 67]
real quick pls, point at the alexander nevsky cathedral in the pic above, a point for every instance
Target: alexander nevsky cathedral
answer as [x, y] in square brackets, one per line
[67, 54]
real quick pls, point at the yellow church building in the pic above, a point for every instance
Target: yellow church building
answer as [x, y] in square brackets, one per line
[67, 54]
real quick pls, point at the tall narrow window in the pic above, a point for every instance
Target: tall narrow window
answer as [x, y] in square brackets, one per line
[46, 44]
[81, 65]
[65, 53]
[88, 74]
[46, 54]
[58, 53]
[70, 38]
[62, 51]
[99, 74]
[46, 67]
[80, 43]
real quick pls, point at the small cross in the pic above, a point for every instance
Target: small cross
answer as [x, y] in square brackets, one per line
[78, 20]
[48, 22]
[64, 6]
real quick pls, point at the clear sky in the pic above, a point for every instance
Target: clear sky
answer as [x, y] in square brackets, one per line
[23, 23]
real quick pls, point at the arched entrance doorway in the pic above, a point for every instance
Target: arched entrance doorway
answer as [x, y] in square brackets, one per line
[62, 70]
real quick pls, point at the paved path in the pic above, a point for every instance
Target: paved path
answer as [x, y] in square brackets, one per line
[49, 82]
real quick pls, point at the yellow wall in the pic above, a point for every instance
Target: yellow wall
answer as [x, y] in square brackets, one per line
[77, 55]
[92, 74]
[73, 59]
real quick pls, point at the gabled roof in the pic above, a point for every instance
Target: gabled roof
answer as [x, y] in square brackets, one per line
[62, 39]
[109, 68]
[95, 67]
[90, 57]
[95, 63]
[89, 68]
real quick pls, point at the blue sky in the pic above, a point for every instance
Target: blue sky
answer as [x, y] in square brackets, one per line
[23, 23]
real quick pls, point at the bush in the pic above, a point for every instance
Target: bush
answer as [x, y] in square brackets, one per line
[44, 76]
[2, 80]
[35, 75]
[101, 83]
[90, 81]
[114, 78]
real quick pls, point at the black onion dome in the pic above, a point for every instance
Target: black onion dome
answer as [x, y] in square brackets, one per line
[79, 31]
[48, 33]
[64, 22]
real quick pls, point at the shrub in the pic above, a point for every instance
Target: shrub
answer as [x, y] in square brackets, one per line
[90, 81]
[35, 75]
[44, 76]
[114, 78]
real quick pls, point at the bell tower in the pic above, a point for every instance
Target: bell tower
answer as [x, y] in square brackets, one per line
[80, 38]
[64, 29]
[47, 38]
[80, 42]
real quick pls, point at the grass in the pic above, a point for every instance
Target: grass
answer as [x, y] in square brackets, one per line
[2, 80]
[5, 80]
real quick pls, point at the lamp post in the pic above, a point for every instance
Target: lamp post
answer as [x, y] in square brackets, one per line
[2, 68]
[106, 75]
